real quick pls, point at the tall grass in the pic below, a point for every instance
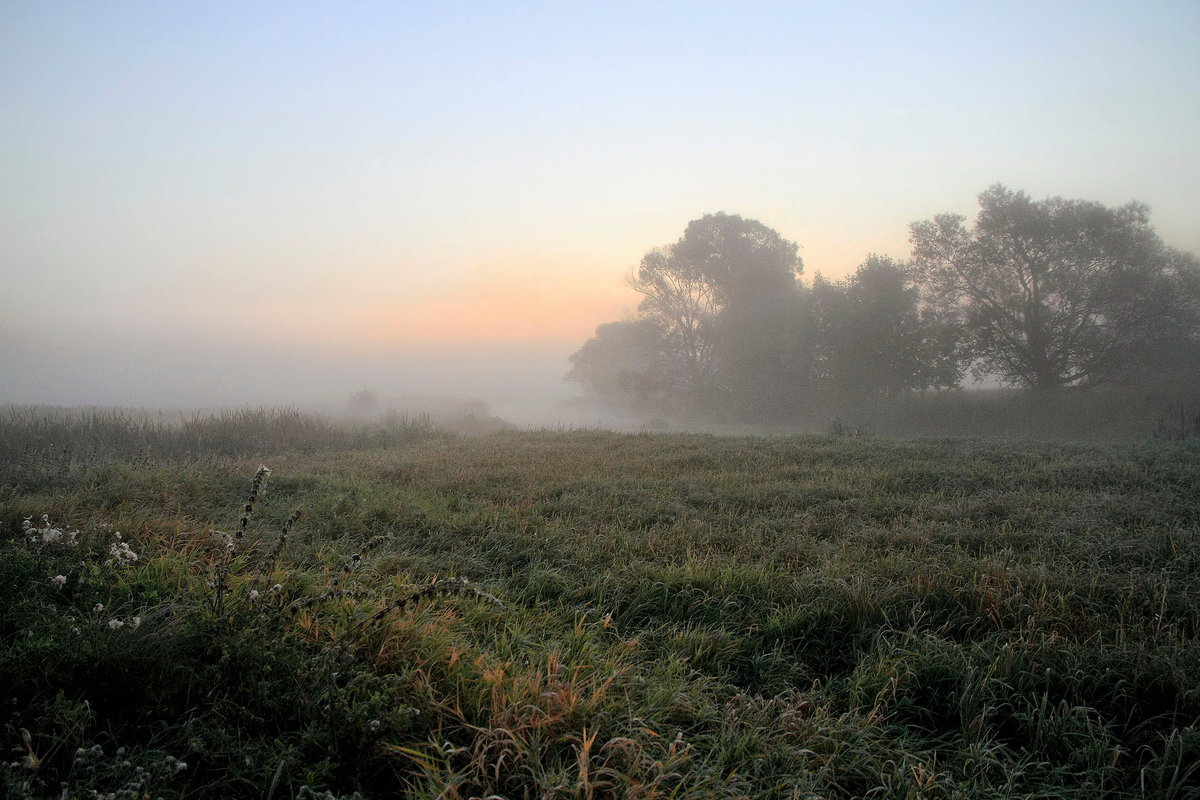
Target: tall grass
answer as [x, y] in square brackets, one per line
[48, 446]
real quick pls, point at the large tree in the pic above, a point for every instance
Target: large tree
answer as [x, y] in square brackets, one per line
[718, 330]
[1052, 293]
[724, 297]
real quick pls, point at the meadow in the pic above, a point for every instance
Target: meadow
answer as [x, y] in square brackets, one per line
[393, 611]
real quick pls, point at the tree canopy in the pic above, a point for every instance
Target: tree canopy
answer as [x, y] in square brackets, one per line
[1050, 293]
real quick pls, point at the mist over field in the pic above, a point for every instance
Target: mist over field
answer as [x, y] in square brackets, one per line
[524, 386]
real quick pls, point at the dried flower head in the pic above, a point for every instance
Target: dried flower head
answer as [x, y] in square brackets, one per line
[47, 534]
[120, 553]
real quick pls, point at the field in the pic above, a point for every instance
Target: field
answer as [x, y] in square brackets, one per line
[585, 614]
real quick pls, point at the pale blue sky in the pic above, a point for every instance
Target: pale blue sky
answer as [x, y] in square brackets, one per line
[359, 178]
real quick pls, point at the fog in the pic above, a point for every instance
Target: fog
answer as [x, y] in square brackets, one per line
[522, 385]
[213, 207]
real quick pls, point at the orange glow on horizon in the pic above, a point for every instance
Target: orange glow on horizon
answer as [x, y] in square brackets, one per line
[495, 311]
[525, 301]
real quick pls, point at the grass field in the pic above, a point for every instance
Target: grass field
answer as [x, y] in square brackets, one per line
[596, 615]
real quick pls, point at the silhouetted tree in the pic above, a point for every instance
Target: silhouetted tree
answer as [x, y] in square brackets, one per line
[719, 330]
[1052, 293]
[873, 336]
[680, 304]
[740, 259]
[724, 297]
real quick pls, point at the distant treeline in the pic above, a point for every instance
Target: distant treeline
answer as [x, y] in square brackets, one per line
[1045, 295]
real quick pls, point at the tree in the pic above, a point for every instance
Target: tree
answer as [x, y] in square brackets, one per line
[724, 297]
[625, 364]
[738, 258]
[681, 306]
[1051, 293]
[874, 336]
[719, 327]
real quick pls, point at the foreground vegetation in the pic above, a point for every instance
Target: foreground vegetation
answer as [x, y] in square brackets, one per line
[584, 614]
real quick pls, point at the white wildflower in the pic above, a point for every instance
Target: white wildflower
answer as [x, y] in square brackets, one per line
[98, 608]
[59, 580]
[113, 624]
[121, 553]
[47, 533]
[276, 588]
[134, 623]
[252, 594]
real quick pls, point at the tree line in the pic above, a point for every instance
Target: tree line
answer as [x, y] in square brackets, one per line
[1047, 295]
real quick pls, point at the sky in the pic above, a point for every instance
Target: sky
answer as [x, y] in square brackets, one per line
[225, 203]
